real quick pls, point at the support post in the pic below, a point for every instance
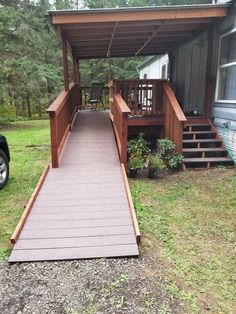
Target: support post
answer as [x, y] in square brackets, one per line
[124, 137]
[65, 64]
[75, 70]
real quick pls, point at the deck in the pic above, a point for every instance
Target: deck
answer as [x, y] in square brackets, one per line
[82, 209]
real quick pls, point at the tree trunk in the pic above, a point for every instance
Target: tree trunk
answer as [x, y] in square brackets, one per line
[28, 106]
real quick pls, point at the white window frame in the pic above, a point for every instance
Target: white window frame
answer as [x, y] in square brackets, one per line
[221, 67]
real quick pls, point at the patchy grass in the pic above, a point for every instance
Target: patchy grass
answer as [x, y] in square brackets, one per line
[29, 148]
[189, 220]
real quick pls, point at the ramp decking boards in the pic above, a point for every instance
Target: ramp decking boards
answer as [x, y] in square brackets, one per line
[82, 209]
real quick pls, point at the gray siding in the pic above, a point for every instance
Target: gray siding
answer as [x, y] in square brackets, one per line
[188, 74]
[224, 113]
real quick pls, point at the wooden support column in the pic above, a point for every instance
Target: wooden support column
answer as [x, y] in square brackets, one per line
[124, 131]
[65, 64]
[75, 70]
[209, 81]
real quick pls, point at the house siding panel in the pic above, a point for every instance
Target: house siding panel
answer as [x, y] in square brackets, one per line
[224, 113]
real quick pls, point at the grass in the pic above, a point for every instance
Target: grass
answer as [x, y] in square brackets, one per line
[187, 221]
[191, 219]
[29, 147]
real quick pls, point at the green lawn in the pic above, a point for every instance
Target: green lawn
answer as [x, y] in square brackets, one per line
[26, 166]
[189, 219]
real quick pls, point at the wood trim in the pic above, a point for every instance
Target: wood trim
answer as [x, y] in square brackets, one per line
[65, 64]
[63, 139]
[59, 102]
[145, 121]
[145, 15]
[131, 205]
[30, 204]
[170, 95]
[122, 104]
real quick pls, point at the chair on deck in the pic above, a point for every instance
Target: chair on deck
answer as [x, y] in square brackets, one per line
[96, 95]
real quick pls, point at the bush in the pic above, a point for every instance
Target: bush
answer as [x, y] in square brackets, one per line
[175, 161]
[139, 144]
[165, 148]
[136, 161]
[156, 163]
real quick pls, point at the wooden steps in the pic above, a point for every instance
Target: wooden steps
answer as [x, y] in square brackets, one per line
[202, 145]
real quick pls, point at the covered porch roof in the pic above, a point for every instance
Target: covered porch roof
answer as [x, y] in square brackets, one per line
[127, 32]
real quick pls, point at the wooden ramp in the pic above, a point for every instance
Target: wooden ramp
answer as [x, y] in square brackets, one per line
[82, 209]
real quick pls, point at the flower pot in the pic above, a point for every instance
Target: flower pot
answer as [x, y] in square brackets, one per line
[133, 173]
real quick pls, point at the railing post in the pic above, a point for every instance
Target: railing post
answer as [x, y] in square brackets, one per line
[54, 144]
[124, 138]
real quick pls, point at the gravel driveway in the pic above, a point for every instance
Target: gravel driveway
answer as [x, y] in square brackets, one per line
[86, 286]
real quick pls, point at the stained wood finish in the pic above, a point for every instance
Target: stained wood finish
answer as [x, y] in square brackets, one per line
[203, 146]
[82, 209]
[29, 206]
[61, 114]
[174, 118]
[120, 111]
[140, 31]
[143, 97]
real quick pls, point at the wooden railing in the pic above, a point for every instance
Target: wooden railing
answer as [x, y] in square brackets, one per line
[143, 97]
[174, 118]
[120, 112]
[61, 113]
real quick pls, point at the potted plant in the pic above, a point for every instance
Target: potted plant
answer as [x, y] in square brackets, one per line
[135, 163]
[155, 164]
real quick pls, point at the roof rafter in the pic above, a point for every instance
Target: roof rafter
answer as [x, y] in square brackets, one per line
[149, 39]
[110, 43]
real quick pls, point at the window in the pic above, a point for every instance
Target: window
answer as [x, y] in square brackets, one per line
[145, 76]
[226, 80]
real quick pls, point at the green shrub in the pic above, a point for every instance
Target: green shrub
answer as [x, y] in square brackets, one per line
[136, 161]
[139, 144]
[175, 161]
[165, 148]
[156, 163]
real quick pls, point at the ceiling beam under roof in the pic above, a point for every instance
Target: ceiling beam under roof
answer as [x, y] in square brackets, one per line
[149, 39]
[112, 36]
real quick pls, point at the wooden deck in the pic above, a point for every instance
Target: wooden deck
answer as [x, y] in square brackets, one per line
[82, 209]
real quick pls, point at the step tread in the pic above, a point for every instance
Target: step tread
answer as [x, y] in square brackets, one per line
[202, 140]
[199, 132]
[197, 124]
[207, 159]
[207, 149]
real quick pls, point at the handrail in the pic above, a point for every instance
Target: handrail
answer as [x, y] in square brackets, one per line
[143, 96]
[122, 104]
[120, 111]
[60, 101]
[61, 113]
[174, 118]
[176, 107]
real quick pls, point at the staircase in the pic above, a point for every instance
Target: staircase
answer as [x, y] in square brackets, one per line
[202, 145]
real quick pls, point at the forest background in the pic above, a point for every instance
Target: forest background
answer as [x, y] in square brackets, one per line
[30, 55]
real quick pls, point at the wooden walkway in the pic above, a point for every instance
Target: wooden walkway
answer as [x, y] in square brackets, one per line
[82, 209]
